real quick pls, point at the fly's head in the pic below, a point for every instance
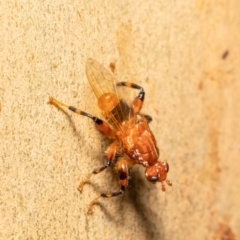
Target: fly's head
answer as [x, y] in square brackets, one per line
[158, 173]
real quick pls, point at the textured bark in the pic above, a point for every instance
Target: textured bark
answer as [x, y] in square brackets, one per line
[186, 54]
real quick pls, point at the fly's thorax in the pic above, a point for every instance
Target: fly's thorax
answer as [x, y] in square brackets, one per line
[138, 143]
[114, 109]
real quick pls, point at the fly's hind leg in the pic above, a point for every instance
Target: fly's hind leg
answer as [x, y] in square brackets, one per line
[122, 170]
[101, 125]
[138, 101]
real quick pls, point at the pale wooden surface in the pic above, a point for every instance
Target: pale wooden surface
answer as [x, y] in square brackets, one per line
[192, 92]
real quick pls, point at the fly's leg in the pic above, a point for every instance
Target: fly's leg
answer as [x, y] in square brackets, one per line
[101, 125]
[110, 155]
[147, 117]
[138, 101]
[122, 170]
[104, 128]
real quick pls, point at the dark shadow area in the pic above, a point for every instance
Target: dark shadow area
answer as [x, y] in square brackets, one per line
[139, 196]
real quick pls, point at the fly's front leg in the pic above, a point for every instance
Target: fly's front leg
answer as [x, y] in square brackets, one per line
[101, 125]
[122, 170]
[110, 155]
[138, 101]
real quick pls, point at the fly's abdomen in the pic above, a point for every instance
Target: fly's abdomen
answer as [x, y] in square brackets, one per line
[114, 109]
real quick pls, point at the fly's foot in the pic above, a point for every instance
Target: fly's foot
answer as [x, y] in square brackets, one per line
[169, 183]
[81, 184]
[163, 184]
[89, 209]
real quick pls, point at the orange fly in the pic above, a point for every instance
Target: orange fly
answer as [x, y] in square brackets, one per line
[126, 126]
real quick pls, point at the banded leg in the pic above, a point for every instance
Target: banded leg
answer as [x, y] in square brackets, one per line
[101, 125]
[110, 155]
[122, 170]
[138, 101]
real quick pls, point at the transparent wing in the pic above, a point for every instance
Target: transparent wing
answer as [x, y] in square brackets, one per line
[103, 84]
[100, 79]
